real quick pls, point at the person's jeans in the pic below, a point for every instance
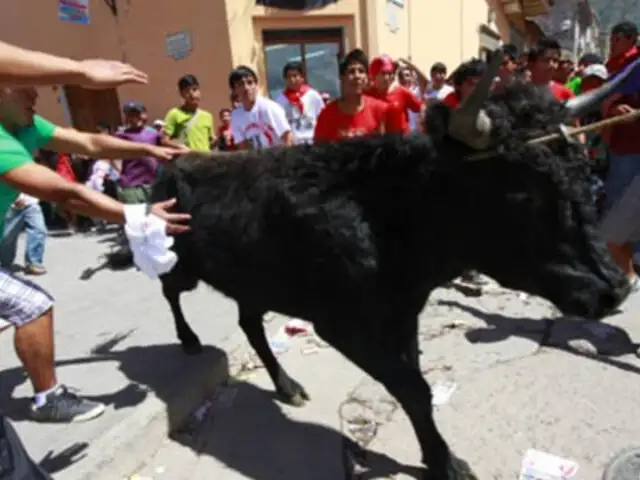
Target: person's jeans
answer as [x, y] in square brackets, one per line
[16, 218]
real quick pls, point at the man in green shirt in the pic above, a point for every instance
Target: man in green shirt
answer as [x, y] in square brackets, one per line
[34, 340]
[189, 124]
[25, 305]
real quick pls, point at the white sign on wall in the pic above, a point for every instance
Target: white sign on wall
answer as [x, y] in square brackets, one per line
[179, 45]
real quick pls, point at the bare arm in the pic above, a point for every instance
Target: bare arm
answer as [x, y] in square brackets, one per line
[40, 182]
[423, 81]
[19, 66]
[288, 138]
[69, 140]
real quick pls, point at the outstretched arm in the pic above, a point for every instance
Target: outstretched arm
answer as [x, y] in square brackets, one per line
[69, 140]
[19, 66]
[40, 182]
[423, 81]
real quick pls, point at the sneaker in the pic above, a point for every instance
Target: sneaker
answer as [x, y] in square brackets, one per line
[35, 270]
[65, 406]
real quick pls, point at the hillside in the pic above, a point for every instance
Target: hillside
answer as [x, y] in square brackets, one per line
[611, 12]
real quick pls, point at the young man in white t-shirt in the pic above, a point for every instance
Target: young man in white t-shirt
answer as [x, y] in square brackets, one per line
[258, 122]
[302, 104]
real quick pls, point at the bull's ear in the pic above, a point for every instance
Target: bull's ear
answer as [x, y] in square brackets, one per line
[470, 124]
[590, 102]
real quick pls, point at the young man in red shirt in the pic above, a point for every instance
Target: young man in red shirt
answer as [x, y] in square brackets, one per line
[224, 140]
[399, 99]
[354, 114]
[543, 63]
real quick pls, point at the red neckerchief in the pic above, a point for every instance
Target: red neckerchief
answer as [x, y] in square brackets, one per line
[295, 96]
[615, 64]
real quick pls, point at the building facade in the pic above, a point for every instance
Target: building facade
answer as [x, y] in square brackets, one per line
[573, 24]
[208, 38]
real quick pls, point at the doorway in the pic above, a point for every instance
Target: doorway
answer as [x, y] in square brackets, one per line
[319, 50]
[88, 108]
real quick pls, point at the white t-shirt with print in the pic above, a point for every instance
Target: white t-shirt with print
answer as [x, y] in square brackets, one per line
[303, 123]
[439, 94]
[263, 125]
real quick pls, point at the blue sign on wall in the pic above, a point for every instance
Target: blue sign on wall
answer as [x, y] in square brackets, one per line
[74, 11]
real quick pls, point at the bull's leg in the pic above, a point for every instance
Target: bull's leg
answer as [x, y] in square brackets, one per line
[173, 285]
[408, 345]
[287, 388]
[384, 363]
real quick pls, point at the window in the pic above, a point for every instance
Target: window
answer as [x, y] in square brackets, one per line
[319, 51]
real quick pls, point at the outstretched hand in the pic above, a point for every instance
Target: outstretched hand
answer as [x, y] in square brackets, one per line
[167, 153]
[175, 221]
[100, 74]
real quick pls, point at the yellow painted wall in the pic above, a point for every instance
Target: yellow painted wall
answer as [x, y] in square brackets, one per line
[444, 31]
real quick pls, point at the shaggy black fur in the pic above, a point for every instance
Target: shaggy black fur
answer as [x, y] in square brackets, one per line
[353, 236]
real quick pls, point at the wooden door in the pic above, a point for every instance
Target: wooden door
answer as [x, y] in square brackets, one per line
[88, 108]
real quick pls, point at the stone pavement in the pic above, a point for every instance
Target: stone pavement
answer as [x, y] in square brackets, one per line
[575, 397]
[115, 342]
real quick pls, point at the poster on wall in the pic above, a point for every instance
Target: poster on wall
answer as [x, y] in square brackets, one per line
[74, 11]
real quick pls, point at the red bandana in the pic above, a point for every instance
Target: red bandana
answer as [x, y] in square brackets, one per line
[615, 64]
[295, 96]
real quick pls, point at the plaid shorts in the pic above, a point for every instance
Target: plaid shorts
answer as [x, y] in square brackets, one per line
[621, 223]
[21, 300]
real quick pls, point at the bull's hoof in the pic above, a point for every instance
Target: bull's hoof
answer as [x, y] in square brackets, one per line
[292, 393]
[457, 469]
[192, 348]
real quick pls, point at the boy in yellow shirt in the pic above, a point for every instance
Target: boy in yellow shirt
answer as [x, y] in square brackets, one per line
[189, 124]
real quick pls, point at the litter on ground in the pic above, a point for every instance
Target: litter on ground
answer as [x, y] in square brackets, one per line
[538, 465]
[441, 392]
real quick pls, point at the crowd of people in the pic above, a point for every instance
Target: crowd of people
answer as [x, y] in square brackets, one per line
[381, 95]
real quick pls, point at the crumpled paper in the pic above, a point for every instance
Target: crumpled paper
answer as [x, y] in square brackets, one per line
[149, 241]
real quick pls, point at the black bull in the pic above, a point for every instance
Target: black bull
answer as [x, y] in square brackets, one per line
[353, 236]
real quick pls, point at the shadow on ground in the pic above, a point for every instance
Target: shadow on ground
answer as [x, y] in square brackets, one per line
[149, 368]
[608, 342]
[117, 257]
[256, 438]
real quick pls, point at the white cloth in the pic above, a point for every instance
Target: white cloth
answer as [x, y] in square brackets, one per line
[302, 123]
[148, 241]
[263, 125]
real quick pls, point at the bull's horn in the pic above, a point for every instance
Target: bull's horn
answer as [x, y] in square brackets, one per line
[589, 102]
[469, 123]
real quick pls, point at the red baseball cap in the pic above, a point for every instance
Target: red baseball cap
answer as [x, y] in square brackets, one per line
[381, 64]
